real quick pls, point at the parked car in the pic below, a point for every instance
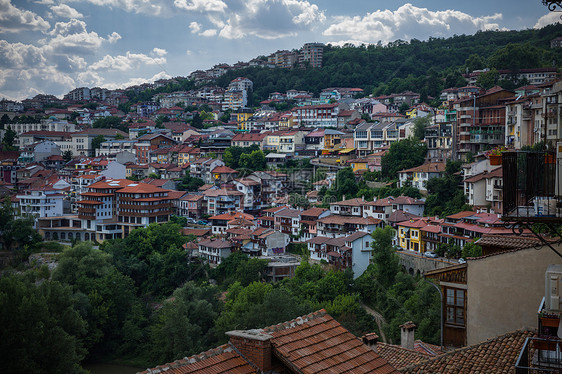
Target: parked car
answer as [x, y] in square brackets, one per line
[191, 220]
[202, 222]
[430, 254]
[462, 261]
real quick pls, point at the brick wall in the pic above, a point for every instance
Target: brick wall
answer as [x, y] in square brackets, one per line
[258, 351]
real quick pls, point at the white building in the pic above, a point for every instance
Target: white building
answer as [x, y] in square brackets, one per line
[41, 202]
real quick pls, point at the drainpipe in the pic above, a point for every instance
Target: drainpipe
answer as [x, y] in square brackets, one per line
[441, 307]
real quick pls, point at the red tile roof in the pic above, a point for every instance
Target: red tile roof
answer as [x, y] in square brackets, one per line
[497, 355]
[436, 167]
[318, 343]
[398, 356]
[232, 215]
[223, 359]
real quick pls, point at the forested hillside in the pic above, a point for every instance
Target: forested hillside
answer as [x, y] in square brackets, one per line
[423, 66]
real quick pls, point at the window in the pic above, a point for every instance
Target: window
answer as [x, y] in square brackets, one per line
[455, 306]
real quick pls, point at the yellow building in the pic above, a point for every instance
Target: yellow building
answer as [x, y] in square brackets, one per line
[242, 116]
[359, 164]
[332, 138]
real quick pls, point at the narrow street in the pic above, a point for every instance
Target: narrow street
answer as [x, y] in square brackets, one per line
[379, 319]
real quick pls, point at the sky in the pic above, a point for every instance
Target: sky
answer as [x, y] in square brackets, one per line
[54, 46]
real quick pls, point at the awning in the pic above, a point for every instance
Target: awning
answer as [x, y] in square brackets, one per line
[334, 254]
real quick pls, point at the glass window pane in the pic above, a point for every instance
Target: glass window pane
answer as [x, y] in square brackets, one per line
[450, 314]
[450, 297]
[460, 316]
[460, 297]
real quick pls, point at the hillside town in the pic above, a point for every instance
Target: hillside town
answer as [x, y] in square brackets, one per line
[277, 180]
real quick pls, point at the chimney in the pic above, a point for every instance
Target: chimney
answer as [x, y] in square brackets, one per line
[407, 335]
[254, 346]
[371, 340]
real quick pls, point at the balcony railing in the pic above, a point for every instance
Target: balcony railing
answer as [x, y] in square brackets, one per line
[532, 186]
[540, 356]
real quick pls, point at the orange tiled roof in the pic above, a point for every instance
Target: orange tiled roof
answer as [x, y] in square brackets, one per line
[398, 356]
[318, 343]
[497, 355]
[223, 359]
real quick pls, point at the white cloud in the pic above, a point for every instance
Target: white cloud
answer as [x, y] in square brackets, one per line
[408, 22]
[126, 62]
[209, 32]
[21, 56]
[266, 19]
[63, 10]
[159, 52]
[150, 7]
[201, 5]
[548, 19]
[137, 81]
[113, 37]
[13, 19]
[188, 52]
[89, 79]
[195, 27]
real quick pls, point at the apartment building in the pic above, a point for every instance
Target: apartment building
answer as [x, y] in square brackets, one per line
[325, 115]
[312, 53]
[41, 202]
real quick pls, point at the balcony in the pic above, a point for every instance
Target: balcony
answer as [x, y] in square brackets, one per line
[532, 187]
[540, 356]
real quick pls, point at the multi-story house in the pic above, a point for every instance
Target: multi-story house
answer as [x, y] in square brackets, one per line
[481, 121]
[41, 202]
[267, 220]
[410, 234]
[201, 168]
[241, 83]
[60, 138]
[223, 174]
[187, 154]
[287, 221]
[148, 143]
[273, 185]
[419, 175]
[43, 125]
[383, 208]
[223, 200]
[191, 205]
[235, 99]
[82, 140]
[351, 207]
[111, 147]
[290, 141]
[308, 221]
[39, 151]
[311, 53]
[484, 191]
[336, 225]
[214, 251]
[220, 222]
[252, 193]
[139, 205]
[249, 139]
[325, 115]
[519, 123]
[283, 59]
[146, 109]
[439, 140]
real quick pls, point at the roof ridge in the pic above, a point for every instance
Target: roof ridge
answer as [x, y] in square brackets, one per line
[225, 348]
[469, 347]
[297, 321]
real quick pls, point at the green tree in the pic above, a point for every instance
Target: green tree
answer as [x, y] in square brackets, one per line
[105, 297]
[67, 155]
[405, 154]
[96, 142]
[110, 122]
[488, 79]
[8, 142]
[40, 330]
[420, 123]
[385, 259]
[185, 324]
[474, 62]
[189, 183]
[471, 250]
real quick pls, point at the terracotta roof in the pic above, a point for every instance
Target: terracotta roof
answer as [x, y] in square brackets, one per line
[223, 359]
[224, 170]
[435, 167]
[341, 220]
[141, 188]
[509, 242]
[318, 343]
[497, 172]
[398, 356]
[400, 215]
[222, 192]
[313, 212]
[232, 215]
[497, 355]
[220, 243]
[250, 137]
[196, 232]
[350, 202]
